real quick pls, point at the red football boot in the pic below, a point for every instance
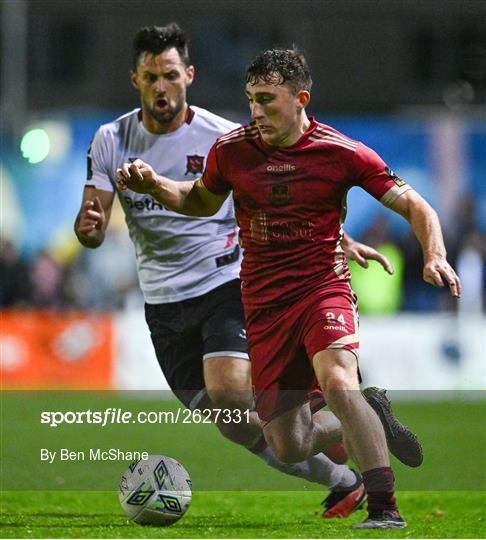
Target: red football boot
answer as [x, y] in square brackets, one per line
[340, 503]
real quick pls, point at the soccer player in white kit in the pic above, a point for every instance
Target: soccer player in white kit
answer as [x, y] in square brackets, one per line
[188, 267]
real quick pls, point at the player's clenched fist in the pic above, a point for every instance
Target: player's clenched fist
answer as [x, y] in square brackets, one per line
[91, 218]
[137, 176]
[91, 223]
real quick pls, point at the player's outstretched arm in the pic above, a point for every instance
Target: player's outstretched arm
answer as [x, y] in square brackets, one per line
[361, 253]
[190, 197]
[426, 226]
[93, 217]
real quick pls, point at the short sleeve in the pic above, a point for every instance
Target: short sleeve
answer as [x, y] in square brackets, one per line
[212, 178]
[99, 156]
[371, 173]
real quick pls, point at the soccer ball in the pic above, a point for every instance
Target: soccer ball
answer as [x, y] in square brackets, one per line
[155, 491]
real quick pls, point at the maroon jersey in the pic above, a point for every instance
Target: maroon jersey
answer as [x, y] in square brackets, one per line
[290, 205]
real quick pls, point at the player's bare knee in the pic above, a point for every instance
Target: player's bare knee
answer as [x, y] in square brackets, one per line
[231, 399]
[228, 383]
[339, 381]
[336, 371]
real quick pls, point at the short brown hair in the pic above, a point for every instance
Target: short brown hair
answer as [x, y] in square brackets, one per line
[280, 66]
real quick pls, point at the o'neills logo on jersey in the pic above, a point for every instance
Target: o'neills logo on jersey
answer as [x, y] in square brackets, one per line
[285, 168]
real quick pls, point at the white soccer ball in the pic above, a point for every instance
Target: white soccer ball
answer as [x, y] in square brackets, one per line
[155, 491]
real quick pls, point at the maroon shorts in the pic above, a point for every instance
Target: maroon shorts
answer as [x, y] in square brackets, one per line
[283, 340]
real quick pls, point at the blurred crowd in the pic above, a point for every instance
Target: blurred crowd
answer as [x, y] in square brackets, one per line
[105, 279]
[466, 249]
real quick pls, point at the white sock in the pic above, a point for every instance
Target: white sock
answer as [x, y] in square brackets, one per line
[319, 469]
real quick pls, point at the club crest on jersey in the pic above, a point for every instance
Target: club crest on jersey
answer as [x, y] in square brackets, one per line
[195, 164]
[398, 181]
[280, 194]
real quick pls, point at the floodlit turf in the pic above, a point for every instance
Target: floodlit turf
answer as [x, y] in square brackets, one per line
[235, 494]
[235, 515]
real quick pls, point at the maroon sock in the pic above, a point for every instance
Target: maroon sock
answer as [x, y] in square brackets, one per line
[379, 486]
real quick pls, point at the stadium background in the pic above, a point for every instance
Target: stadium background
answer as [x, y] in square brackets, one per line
[406, 77]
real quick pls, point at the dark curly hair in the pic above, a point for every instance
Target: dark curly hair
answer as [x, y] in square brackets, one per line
[157, 39]
[280, 66]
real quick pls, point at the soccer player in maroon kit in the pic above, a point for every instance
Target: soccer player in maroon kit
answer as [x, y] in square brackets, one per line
[289, 175]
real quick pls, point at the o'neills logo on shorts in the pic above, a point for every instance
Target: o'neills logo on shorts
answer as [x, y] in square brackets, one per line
[335, 327]
[286, 167]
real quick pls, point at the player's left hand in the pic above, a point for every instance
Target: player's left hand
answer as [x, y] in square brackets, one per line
[361, 253]
[438, 272]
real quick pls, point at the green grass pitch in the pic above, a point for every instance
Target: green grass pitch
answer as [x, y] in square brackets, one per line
[235, 495]
[235, 515]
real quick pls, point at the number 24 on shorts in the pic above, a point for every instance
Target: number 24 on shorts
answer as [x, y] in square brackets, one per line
[330, 316]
